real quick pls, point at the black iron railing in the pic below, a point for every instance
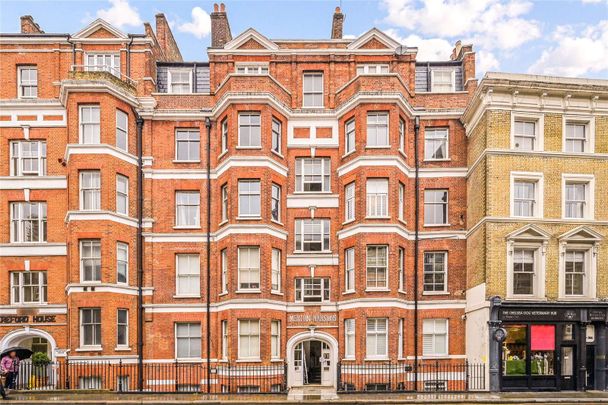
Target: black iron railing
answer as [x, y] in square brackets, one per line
[158, 377]
[400, 377]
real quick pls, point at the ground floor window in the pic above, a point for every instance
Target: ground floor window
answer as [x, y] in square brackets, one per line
[533, 344]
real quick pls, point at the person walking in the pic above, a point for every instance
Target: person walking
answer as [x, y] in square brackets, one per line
[2, 391]
[10, 366]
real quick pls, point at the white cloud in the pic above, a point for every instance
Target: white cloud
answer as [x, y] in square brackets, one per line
[575, 53]
[486, 62]
[120, 14]
[489, 23]
[428, 49]
[200, 26]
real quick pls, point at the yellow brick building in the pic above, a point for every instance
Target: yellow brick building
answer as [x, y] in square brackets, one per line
[537, 246]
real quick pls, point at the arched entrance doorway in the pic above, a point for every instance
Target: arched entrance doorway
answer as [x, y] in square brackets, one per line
[312, 358]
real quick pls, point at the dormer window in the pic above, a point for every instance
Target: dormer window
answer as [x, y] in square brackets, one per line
[254, 69]
[372, 69]
[179, 81]
[103, 62]
[443, 80]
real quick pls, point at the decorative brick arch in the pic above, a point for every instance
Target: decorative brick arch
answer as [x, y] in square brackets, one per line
[15, 337]
[311, 335]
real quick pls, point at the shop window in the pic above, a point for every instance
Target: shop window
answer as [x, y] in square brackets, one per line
[542, 349]
[514, 350]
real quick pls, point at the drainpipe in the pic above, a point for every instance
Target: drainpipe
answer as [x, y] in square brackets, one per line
[73, 52]
[416, 231]
[140, 254]
[208, 126]
[129, 57]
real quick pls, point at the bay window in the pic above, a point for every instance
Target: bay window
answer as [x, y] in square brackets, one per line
[90, 327]
[249, 268]
[89, 124]
[249, 339]
[90, 190]
[377, 129]
[377, 267]
[90, 260]
[377, 198]
[377, 338]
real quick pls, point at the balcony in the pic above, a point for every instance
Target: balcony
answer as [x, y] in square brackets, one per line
[253, 87]
[88, 72]
[372, 85]
[84, 78]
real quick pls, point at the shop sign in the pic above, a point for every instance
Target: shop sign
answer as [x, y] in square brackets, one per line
[9, 319]
[597, 314]
[558, 314]
[314, 318]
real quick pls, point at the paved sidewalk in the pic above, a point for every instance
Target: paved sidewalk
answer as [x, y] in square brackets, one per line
[104, 398]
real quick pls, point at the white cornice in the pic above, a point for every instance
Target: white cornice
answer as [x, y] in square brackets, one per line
[100, 216]
[32, 249]
[312, 259]
[33, 182]
[227, 164]
[95, 86]
[227, 230]
[399, 230]
[98, 149]
[105, 288]
[318, 200]
[398, 162]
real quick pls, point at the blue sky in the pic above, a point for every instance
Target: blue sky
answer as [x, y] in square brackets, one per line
[559, 37]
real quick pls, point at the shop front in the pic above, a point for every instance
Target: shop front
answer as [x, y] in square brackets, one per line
[551, 346]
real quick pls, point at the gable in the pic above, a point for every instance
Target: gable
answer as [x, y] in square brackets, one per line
[251, 44]
[581, 234]
[529, 232]
[373, 43]
[101, 33]
[100, 29]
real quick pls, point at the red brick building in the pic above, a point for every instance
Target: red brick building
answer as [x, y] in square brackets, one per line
[258, 208]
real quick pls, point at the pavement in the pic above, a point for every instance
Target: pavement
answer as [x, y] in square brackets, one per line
[110, 398]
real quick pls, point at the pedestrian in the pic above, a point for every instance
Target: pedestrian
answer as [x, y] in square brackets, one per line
[10, 366]
[2, 391]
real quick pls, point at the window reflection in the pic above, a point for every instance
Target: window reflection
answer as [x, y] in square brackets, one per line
[514, 350]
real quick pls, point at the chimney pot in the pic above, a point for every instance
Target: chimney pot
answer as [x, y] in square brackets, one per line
[29, 26]
[220, 27]
[337, 25]
[222, 8]
[215, 8]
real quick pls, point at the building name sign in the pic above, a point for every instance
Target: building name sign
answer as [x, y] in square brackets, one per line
[8, 319]
[539, 314]
[313, 318]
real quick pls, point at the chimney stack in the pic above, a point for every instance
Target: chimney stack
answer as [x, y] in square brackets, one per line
[165, 39]
[29, 26]
[337, 25]
[220, 28]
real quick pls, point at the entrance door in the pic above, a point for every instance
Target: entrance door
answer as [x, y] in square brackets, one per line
[325, 365]
[568, 365]
[313, 361]
[590, 364]
[298, 363]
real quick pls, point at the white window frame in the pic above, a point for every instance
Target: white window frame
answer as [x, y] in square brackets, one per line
[350, 342]
[377, 125]
[19, 222]
[93, 124]
[443, 70]
[539, 119]
[372, 69]
[275, 200]
[445, 272]
[349, 270]
[113, 67]
[251, 68]
[122, 132]
[252, 270]
[400, 338]
[42, 286]
[377, 204]
[401, 135]
[589, 181]
[124, 325]
[224, 339]
[18, 159]
[401, 262]
[276, 265]
[539, 248]
[324, 236]
[250, 126]
[349, 202]
[250, 356]
[275, 339]
[224, 193]
[377, 333]
[94, 345]
[590, 249]
[276, 132]
[224, 263]
[314, 91]
[224, 129]
[589, 123]
[401, 204]
[122, 194]
[192, 274]
[447, 207]
[95, 192]
[376, 266]
[21, 85]
[433, 335]
[93, 258]
[350, 136]
[251, 196]
[303, 164]
[197, 219]
[440, 134]
[539, 192]
[122, 247]
[190, 142]
[300, 290]
[170, 82]
[190, 339]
